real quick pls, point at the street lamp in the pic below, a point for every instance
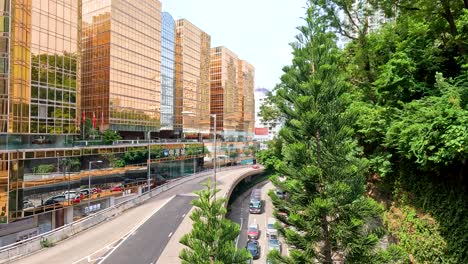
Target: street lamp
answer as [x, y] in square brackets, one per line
[148, 163]
[89, 182]
[214, 162]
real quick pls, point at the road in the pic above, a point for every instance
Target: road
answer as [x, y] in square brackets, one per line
[239, 213]
[146, 244]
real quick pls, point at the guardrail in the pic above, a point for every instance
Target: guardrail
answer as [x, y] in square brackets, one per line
[31, 245]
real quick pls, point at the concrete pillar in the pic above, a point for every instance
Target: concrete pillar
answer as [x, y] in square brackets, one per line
[53, 219]
[68, 214]
[111, 201]
[139, 192]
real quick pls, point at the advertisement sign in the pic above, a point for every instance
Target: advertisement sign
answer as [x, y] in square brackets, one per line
[261, 131]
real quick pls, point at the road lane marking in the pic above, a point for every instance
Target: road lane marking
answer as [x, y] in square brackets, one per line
[183, 215]
[170, 234]
[134, 229]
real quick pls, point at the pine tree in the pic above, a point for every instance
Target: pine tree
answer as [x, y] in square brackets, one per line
[212, 237]
[324, 173]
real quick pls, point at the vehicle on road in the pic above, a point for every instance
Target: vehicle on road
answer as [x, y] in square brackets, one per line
[280, 193]
[73, 196]
[255, 207]
[274, 244]
[27, 204]
[253, 232]
[271, 229]
[255, 166]
[254, 248]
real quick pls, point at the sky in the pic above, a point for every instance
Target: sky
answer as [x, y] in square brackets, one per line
[258, 31]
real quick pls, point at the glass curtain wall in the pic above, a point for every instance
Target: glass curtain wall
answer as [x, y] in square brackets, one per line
[167, 72]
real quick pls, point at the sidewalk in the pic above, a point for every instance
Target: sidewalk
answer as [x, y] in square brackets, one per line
[225, 181]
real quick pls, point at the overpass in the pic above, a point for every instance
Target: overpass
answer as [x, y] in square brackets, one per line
[102, 236]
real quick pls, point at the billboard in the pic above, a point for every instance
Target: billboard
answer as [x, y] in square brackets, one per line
[261, 131]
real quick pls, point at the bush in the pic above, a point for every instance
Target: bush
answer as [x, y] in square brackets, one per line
[119, 163]
[44, 168]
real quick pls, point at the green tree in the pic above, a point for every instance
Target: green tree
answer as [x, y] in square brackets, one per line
[324, 175]
[212, 237]
[110, 136]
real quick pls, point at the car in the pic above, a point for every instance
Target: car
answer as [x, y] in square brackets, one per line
[27, 204]
[117, 188]
[253, 232]
[73, 196]
[271, 229]
[255, 166]
[280, 193]
[255, 207]
[86, 191]
[254, 248]
[57, 199]
[274, 244]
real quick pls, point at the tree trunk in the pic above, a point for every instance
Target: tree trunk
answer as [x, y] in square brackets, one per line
[453, 27]
[327, 250]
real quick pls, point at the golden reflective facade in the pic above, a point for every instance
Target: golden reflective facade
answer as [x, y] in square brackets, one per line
[39, 82]
[246, 81]
[122, 63]
[192, 93]
[225, 94]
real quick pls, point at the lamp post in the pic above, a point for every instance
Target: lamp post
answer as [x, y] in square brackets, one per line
[214, 162]
[89, 181]
[148, 163]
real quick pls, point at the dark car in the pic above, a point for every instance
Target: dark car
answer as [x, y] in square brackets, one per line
[254, 248]
[55, 200]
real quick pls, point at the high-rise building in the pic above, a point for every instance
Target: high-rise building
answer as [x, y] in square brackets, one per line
[167, 72]
[39, 85]
[264, 130]
[192, 93]
[226, 101]
[121, 69]
[246, 82]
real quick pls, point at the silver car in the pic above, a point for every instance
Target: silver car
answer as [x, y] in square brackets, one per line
[274, 244]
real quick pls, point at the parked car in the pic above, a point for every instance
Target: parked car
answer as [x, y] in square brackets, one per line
[253, 232]
[254, 248]
[73, 196]
[274, 244]
[27, 204]
[117, 188]
[86, 191]
[271, 229]
[55, 199]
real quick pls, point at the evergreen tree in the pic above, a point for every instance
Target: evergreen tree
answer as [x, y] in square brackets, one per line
[324, 175]
[212, 237]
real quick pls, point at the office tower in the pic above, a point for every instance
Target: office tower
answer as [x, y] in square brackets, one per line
[121, 69]
[192, 109]
[246, 82]
[39, 85]
[167, 72]
[225, 101]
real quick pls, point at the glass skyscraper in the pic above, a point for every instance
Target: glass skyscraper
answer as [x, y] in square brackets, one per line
[122, 64]
[167, 71]
[39, 85]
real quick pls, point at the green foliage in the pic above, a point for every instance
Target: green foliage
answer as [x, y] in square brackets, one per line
[46, 243]
[119, 163]
[135, 156]
[324, 175]
[44, 168]
[71, 164]
[110, 136]
[212, 237]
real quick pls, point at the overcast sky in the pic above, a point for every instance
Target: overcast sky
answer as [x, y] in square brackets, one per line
[258, 31]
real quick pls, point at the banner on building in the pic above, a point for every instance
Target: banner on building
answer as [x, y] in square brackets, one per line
[261, 131]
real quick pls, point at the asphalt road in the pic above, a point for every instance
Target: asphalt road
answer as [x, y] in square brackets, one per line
[146, 244]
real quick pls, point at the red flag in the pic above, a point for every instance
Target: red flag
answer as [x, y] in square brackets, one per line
[84, 117]
[94, 120]
[102, 119]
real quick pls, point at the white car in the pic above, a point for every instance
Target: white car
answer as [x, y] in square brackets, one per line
[271, 229]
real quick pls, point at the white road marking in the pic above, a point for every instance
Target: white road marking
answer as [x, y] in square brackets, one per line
[170, 234]
[134, 229]
[183, 215]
